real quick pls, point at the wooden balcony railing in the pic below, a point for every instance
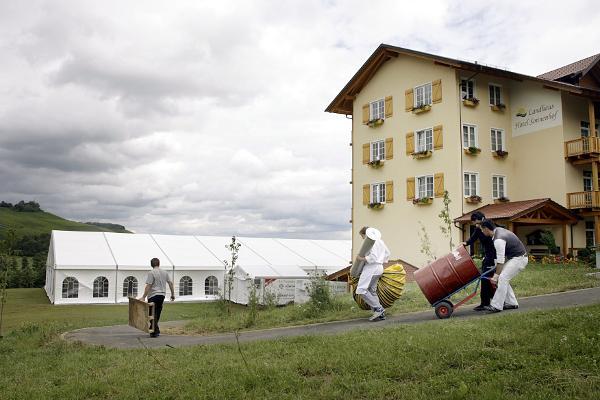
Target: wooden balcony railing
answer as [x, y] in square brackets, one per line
[580, 200]
[584, 146]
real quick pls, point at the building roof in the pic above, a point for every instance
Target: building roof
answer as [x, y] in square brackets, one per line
[540, 211]
[577, 67]
[342, 103]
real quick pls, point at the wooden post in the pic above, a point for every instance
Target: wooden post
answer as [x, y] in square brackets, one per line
[594, 176]
[564, 240]
[592, 116]
[597, 237]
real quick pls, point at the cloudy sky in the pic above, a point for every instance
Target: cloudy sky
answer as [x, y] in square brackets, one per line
[207, 117]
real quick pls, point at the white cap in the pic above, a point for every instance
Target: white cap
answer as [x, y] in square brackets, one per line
[373, 234]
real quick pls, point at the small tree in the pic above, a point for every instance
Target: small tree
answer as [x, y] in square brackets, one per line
[425, 243]
[444, 215]
[234, 248]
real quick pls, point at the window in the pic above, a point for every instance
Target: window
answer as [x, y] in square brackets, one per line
[467, 89]
[498, 186]
[377, 150]
[585, 128]
[130, 287]
[100, 287]
[425, 140]
[471, 180]
[185, 286]
[377, 109]
[378, 193]
[590, 234]
[423, 95]
[497, 139]
[70, 288]
[495, 95]
[587, 181]
[211, 286]
[469, 136]
[425, 186]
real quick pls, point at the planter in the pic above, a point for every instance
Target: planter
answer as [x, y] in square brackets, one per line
[422, 109]
[423, 201]
[472, 151]
[501, 200]
[500, 153]
[376, 163]
[376, 206]
[422, 154]
[471, 102]
[375, 122]
[473, 199]
[498, 107]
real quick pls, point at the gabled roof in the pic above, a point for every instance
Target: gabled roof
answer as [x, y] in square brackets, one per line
[536, 211]
[342, 103]
[578, 67]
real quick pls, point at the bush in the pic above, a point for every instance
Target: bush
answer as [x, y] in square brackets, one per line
[547, 238]
[320, 297]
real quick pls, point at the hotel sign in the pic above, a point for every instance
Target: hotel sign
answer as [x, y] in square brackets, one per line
[535, 110]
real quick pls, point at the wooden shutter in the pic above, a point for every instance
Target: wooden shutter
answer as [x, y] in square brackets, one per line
[389, 107]
[410, 188]
[366, 153]
[438, 137]
[410, 143]
[410, 99]
[389, 192]
[436, 91]
[365, 116]
[438, 185]
[389, 148]
[366, 194]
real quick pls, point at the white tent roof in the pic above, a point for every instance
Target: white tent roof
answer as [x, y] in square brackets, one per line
[81, 250]
[187, 252]
[265, 271]
[317, 254]
[134, 251]
[275, 253]
[337, 247]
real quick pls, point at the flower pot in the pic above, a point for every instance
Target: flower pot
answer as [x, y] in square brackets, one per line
[376, 206]
[375, 122]
[498, 107]
[423, 201]
[470, 102]
[501, 200]
[422, 109]
[422, 154]
[500, 153]
[472, 151]
[473, 199]
[376, 163]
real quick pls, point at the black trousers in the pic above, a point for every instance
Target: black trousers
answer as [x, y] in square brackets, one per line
[487, 290]
[158, 301]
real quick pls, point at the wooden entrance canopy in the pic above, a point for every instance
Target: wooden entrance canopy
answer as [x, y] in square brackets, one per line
[526, 212]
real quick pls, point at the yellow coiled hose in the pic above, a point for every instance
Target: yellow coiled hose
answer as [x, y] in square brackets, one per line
[389, 287]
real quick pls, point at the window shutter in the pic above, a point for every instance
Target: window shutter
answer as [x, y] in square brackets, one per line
[366, 153]
[366, 194]
[438, 137]
[410, 99]
[410, 143]
[438, 185]
[410, 188]
[389, 107]
[389, 148]
[436, 91]
[389, 192]
[365, 116]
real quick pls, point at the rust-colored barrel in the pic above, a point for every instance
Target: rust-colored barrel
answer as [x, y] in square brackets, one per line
[446, 275]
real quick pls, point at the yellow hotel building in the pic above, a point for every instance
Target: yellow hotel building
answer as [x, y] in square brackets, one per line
[520, 148]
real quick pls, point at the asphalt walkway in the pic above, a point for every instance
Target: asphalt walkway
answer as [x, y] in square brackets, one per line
[126, 337]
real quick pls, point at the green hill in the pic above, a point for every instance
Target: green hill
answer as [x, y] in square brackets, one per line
[41, 222]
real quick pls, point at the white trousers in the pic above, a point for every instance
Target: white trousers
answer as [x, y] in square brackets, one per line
[504, 292]
[367, 284]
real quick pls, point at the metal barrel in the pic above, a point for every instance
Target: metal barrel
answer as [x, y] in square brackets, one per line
[446, 275]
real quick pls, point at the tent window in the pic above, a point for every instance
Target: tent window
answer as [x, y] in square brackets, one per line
[100, 287]
[185, 286]
[211, 286]
[130, 287]
[70, 288]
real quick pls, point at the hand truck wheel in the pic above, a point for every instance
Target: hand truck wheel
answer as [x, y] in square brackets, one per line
[444, 309]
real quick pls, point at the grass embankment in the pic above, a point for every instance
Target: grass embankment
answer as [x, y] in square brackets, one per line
[537, 355]
[31, 306]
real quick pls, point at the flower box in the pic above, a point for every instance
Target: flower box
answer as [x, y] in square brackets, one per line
[375, 122]
[472, 150]
[498, 107]
[500, 153]
[422, 154]
[376, 206]
[501, 200]
[473, 199]
[470, 101]
[376, 163]
[421, 109]
[422, 201]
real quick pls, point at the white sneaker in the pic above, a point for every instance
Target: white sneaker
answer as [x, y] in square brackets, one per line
[380, 314]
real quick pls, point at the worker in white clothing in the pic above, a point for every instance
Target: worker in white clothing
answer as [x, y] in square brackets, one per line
[372, 271]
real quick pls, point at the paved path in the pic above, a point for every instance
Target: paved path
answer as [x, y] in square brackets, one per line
[126, 337]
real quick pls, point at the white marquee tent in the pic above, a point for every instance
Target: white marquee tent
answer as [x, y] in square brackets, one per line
[97, 267]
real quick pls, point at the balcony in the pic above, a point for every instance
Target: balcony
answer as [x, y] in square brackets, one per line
[583, 200]
[582, 150]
